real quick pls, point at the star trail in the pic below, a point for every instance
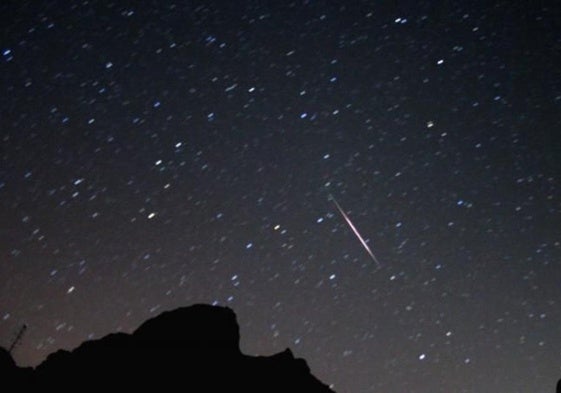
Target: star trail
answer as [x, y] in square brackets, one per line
[159, 154]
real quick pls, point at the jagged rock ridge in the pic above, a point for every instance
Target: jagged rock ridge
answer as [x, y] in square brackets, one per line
[190, 349]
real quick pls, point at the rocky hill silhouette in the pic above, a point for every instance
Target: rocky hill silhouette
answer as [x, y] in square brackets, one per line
[190, 349]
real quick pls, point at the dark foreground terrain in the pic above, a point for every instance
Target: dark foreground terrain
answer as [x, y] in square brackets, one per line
[191, 349]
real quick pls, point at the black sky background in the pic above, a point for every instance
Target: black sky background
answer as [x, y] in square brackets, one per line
[159, 154]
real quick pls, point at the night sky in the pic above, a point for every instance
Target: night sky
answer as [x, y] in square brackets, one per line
[158, 154]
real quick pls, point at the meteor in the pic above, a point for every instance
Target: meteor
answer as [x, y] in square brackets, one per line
[348, 220]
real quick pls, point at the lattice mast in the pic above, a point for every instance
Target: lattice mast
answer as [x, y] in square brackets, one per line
[18, 338]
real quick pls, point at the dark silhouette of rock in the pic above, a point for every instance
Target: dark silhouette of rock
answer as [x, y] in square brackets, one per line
[6, 361]
[9, 371]
[191, 349]
[558, 389]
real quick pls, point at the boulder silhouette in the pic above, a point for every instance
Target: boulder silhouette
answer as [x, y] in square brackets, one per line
[9, 371]
[190, 349]
[6, 361]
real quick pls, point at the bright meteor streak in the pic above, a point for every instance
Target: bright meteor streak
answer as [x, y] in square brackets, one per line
[348, 220]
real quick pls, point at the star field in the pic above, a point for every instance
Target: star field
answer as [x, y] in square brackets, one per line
[162, 154]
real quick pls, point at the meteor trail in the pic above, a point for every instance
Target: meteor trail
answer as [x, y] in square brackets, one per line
[348, 220]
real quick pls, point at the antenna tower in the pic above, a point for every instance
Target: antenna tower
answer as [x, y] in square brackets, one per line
[17, 339]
